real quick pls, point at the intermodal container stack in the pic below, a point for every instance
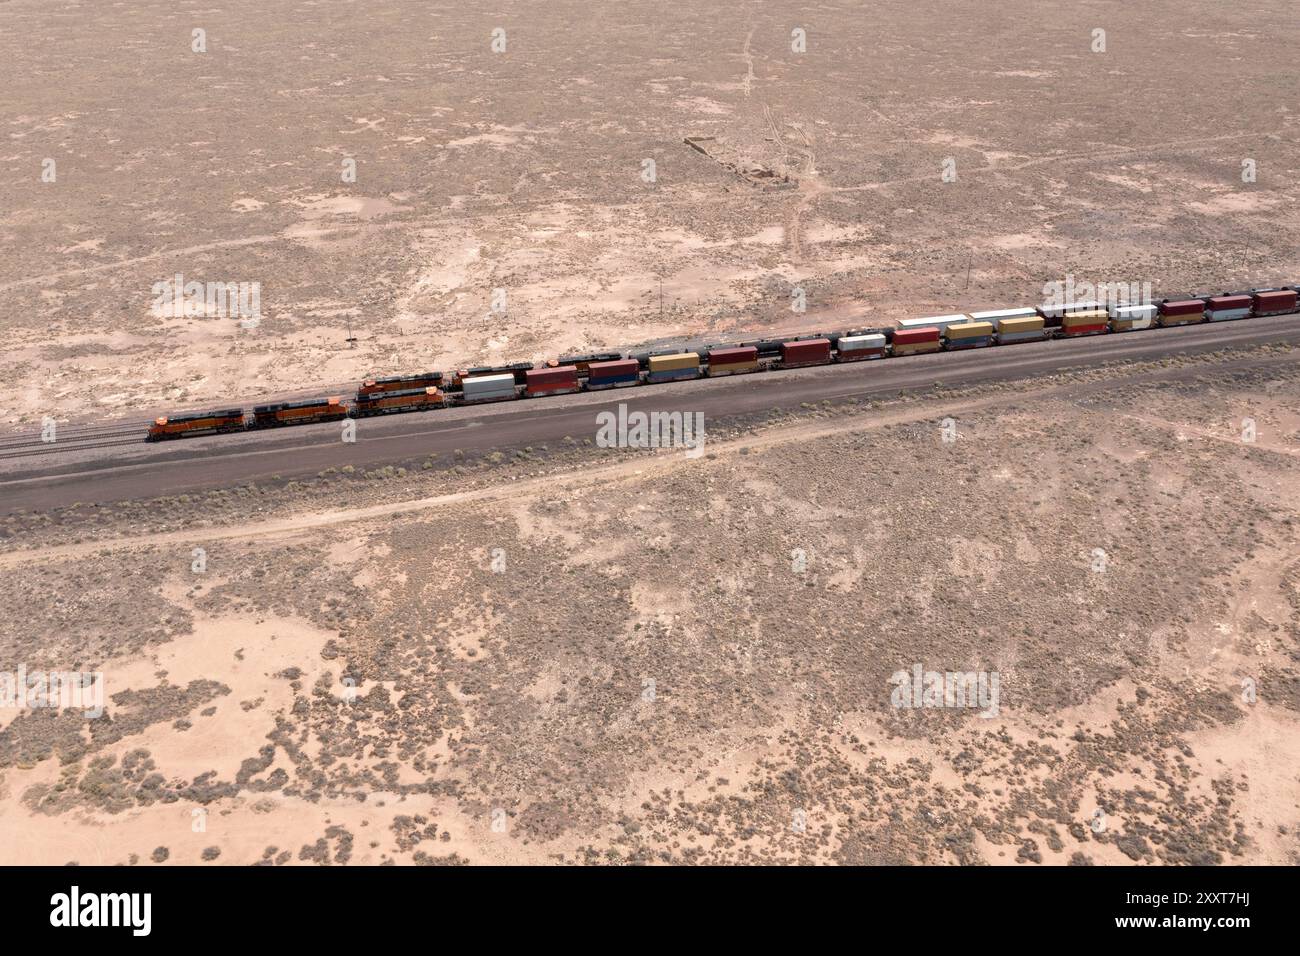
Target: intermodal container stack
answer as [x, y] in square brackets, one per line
[1026, 328]
[613, 373]
[583, 362]
[551, 381]
[1054, 312]
[969, 335]
[488, 388]
[675, 367]
[1275, 302]
[803, 352]
[1090, 322]
[732, 361]
[857, 348]
[914, 341]
[1223, 308]
[998, 316]
[1182, 312]
[1130, 318]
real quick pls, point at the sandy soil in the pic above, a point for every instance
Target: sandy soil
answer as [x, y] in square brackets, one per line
[522, 171]
[613, 661]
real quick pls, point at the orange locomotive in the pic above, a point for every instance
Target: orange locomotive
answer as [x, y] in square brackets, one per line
[299, 413]
[409, 400]
[200, 423]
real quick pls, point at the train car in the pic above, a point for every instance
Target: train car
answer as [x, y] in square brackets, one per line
[1274, 301]
[583, 362]
[399, 383]
[1089, 322]
[613, 374]
[552, 381]
[767, 348]
[1131, 318]
[299, 413]
[968, 335]
[673, 367]
[516, 370]
[488, 388]
[198, 423]
[1020, 328]
[916, 341]
[732, 361]
[1053, 312]
[800, 353]
[860, 348]
[408, 400]
[1181, 311]
[1225, 308]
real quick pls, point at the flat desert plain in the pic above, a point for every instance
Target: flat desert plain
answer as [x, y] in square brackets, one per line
[561, 653]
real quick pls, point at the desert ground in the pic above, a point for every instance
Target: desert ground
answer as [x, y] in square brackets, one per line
[585, 655]
[567, 654]
[524, 171]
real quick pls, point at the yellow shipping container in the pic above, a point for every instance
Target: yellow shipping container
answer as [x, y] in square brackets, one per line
[970, 330]
[1031, 324]
[672, 363]
[1093, 317]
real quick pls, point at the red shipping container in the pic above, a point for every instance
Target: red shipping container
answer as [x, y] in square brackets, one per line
[613, 369]
[916, 336]
[1182, 307]
[1226, 303]
[560, 379]
[1275, 303]
[806, 352]
[735, 356]
[1070, 330]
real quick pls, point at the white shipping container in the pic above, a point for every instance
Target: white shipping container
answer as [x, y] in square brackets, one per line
[489, 386]
[937, 321]
[849, 343]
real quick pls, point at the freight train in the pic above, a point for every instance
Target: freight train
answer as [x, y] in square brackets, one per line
[423, 391]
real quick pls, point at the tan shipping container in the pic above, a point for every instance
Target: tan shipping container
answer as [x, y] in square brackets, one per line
[672, 363]
[970, 330]
[1028, 324]
[1091, 317]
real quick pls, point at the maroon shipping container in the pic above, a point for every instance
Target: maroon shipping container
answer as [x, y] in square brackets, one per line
[615, 369]
[1275, 303]
[1226, 303]
[1182, 307]
[542, 380]
[916, 336]
[733, 356]
[806, 352]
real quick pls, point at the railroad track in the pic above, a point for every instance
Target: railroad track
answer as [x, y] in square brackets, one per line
[69, 439]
